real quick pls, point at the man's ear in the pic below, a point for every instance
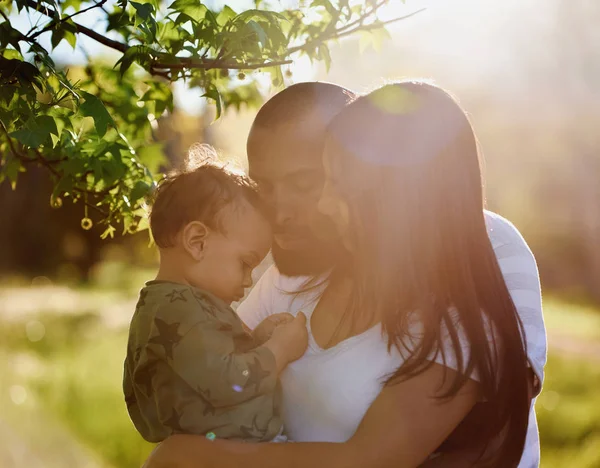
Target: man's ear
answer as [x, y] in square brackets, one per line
[193, 239]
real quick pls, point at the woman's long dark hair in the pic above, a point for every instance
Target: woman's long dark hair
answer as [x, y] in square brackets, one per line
[405, 160]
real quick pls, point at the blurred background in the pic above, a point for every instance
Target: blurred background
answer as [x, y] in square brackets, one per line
[526, 72]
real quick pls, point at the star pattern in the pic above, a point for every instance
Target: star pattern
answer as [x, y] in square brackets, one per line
[177, 295]
[143, 378]
[205, 302]
[257, 374]
[142, 300]
[168, 336]
[209, 408]
[173, 422]
[252, 431]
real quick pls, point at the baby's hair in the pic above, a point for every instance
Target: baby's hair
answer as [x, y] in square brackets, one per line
[198, 192]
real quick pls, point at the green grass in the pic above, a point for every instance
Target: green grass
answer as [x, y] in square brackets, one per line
[572, 320]
[80, 368]
[79, 372]
[568, 412]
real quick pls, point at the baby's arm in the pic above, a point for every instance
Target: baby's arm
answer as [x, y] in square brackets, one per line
[202, 353]
[264, 329]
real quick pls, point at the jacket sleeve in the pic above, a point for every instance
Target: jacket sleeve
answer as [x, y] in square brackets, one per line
[200, 349]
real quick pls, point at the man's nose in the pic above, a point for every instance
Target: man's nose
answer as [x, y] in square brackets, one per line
[282, 207]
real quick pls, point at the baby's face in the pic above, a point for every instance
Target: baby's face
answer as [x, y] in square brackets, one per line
[232, 254]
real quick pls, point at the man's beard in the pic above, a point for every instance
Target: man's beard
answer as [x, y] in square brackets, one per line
[320, 251]
[315, 258]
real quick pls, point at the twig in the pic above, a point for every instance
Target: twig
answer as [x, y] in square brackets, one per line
[213, 64]
[14, 151]
[82, 29]
[67, 18]
[368, 27]
[360, 21]
[4, 16]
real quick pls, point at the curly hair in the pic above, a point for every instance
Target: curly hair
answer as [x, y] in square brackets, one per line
[198, 192]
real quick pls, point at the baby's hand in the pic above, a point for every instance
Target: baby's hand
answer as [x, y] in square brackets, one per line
[291, 338]
[264, 330]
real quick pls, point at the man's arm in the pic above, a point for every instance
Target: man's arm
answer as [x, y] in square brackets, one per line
[400, 429]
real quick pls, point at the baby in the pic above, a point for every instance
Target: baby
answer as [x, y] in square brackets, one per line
[192, 366]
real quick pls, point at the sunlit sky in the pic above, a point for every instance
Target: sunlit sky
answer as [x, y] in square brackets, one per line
[477, 37]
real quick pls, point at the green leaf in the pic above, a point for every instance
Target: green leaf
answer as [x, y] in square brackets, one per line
[12, 54]
[276, 76]
[57, 36]
[110, 232]
[93, 107]
[36, 131]
[137, 53]
[10, 35]
[152, 156]
[323, 54]
[261, 15]
[64, 30]
[15, 69]
[225, 15]
[71, 39]
[373, 38]
[192, 8]
[213, 93]
[11, 169]
[260, 32]
[143, 10]
[140, 190]
[162, 96]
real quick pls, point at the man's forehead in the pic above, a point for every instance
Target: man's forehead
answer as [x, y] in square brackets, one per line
[286, 164]
[285, 149]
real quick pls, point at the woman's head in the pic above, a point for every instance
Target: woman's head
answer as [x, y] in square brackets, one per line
[403, 185]
[407, 150]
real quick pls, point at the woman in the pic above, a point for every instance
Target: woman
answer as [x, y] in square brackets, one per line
[421, 286]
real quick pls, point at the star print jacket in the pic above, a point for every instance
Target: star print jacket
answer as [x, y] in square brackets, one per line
[192, 368]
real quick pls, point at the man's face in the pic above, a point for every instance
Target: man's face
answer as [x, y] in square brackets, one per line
[287, 165]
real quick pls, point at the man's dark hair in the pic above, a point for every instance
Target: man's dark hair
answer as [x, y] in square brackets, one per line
[302, 101]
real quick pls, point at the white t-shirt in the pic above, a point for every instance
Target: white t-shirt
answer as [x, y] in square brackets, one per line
[327, 392]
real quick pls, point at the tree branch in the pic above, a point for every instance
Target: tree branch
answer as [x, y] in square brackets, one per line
[157, 67]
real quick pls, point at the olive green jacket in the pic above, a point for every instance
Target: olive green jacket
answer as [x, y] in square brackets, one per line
[192, 368]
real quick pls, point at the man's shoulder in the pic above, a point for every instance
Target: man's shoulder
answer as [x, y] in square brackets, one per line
[501, 231]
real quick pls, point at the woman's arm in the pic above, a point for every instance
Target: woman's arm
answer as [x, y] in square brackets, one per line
[401, 428]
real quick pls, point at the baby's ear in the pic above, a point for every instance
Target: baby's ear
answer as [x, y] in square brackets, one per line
[193, 238]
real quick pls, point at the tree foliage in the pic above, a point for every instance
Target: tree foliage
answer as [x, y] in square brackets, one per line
[91, 126]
